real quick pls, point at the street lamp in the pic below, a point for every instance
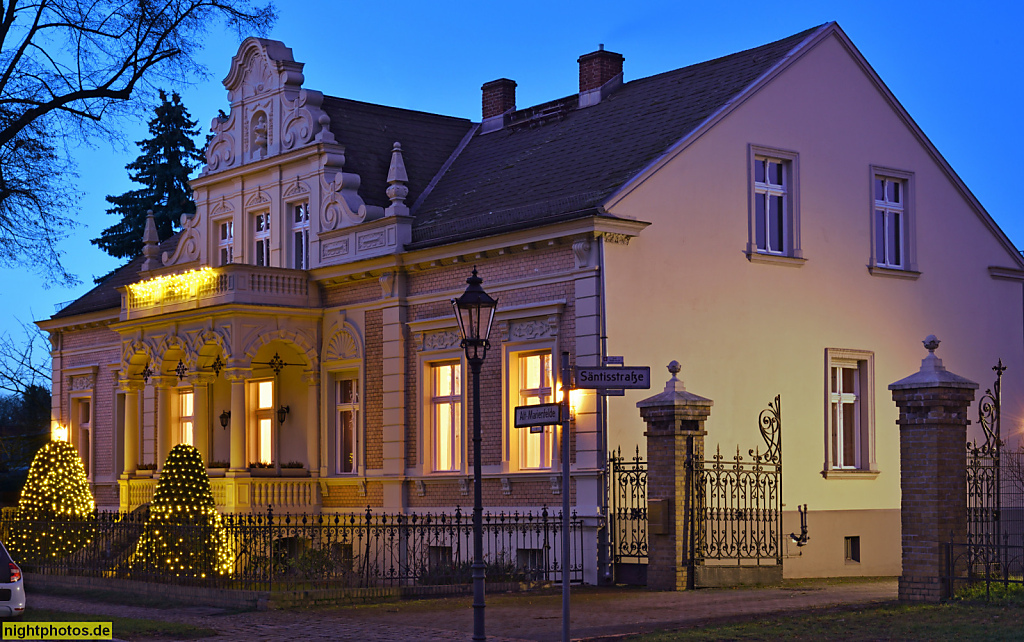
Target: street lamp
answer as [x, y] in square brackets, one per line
[474, 311]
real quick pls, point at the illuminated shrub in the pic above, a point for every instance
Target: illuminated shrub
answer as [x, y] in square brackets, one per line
[184, 535]
[56, 510]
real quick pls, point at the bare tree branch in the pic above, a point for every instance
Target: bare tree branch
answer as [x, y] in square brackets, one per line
[74, 69]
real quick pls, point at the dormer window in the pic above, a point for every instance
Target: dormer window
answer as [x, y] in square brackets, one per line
[226, 242]
[261, 237]
[300, 236]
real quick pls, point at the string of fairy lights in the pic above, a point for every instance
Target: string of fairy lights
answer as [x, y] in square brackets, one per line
[184, 535]
[56, 505]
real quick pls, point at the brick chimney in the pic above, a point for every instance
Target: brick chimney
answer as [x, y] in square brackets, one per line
[499, 97]
[598, 67]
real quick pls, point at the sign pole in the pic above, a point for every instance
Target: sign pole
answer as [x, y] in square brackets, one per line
[566, 488]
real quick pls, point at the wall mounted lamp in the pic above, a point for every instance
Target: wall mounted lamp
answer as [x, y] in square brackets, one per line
[224, 418]
[282, 412]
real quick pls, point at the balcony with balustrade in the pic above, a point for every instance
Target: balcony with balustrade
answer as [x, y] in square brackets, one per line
[209, 286]
[238, 494]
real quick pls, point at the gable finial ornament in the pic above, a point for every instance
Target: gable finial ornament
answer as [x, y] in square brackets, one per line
[150, 240]
[397, 178]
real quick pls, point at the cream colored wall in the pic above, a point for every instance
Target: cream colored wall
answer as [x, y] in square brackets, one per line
[745, 332]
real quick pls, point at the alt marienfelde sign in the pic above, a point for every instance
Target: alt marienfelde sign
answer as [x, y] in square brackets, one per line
[615, 377]
[545, 414]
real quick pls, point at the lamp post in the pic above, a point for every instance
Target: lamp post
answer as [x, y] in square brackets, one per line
[474, 311]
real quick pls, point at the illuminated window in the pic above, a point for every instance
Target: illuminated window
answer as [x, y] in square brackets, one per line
[446, 415]
[262, 449]
[536, 445]
[261, 236]
[892, 222]
[186, 416]
[850, 413]
[774, 205]
[226, 242]
[300, 236]
[346, 406]
[82, 433]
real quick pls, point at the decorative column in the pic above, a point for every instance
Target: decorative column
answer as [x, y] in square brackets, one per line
[162, 387]
[313, 448]
[933, 405]
[131, 389]
[675, 440]
[201, 438]
[237, 377]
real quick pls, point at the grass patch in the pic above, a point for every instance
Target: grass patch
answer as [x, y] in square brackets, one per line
[953, 621]
[126, 628]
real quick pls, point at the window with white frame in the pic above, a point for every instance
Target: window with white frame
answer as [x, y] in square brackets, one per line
[893, 247]
[262, 449]
[226, 241]
[536, 386]
[774, 225]
[771, 203]
[300, 236]
[261, 238]
[889, 220]
[446, 415]
[850, 412]
[346, 413]
[186, 417]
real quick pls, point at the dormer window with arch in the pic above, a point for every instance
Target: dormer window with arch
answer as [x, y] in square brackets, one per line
[300, 236]
[261, 239]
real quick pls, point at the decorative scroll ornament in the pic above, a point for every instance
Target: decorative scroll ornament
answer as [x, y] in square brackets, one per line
[581, 252]
[770, 425]
[989, 411]
[341, 204]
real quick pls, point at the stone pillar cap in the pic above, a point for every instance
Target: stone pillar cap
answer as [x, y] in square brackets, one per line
[932, 373]
[675, 393]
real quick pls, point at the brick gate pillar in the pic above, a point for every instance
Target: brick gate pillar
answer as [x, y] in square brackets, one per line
[675, 437]
[933, 404]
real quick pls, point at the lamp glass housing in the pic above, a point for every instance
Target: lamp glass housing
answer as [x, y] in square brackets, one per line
[474, 311]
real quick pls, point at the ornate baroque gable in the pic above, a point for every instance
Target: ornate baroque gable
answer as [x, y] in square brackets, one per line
[270, 111]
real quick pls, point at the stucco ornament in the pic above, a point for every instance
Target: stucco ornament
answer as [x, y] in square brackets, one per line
[341, 204]
[270, 111]
[188, 249]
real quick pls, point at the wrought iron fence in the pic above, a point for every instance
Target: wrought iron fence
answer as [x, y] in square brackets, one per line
[291, 552]
[974, 570]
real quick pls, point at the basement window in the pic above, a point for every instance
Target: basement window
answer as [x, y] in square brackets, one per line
[852, 546]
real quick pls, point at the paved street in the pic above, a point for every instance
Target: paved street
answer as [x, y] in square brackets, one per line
[525, 616]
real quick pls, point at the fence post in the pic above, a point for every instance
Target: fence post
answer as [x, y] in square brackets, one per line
[933, 404]
[675, 441]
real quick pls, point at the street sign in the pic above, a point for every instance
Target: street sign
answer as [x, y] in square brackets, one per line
[612, 392]
[619, 377]
[614, 361]
[545, 414]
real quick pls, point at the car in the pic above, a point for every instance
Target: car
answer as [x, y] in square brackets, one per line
[12, 588]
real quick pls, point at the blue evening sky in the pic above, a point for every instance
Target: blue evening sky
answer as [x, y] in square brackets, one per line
[956, 68]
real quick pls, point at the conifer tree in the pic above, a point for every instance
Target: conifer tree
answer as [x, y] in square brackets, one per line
[163, 168]
[184, 535]
[56, 507]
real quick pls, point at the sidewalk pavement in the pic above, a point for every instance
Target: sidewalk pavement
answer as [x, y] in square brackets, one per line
[596, 613]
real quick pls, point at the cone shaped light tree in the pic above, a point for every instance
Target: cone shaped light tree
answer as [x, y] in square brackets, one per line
[184, 535]
[56, 508]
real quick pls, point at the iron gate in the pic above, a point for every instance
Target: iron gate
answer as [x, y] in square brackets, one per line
[739, 512]
[627, 511]
[735, 518]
